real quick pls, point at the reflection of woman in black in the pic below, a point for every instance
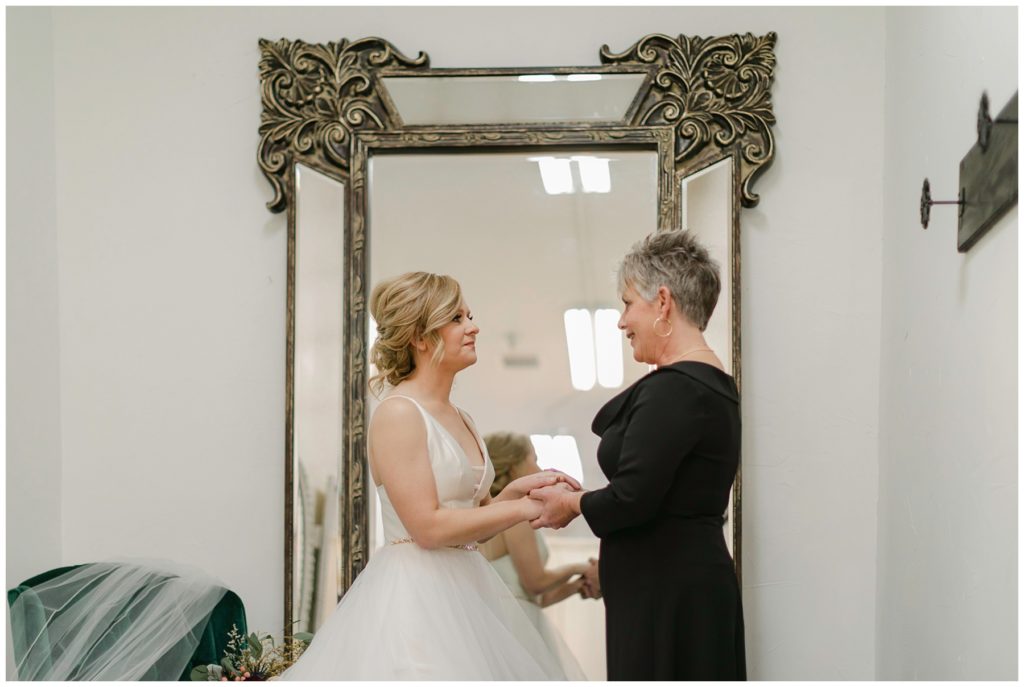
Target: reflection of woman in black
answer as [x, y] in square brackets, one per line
[670, 447]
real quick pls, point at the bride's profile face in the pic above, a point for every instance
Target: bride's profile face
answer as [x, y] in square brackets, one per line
[459, 338]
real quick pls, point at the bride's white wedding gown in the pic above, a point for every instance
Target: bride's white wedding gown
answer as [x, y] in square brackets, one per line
[442, 614]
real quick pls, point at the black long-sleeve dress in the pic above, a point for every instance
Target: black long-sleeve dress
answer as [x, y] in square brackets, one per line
[670, 448]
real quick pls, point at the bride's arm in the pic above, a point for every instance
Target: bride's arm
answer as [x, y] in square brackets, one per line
[521, 542]
[400, 459]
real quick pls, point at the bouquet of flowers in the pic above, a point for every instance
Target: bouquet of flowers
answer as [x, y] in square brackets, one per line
[253, 657]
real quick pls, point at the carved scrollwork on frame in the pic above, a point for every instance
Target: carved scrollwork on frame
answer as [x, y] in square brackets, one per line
[716, 92]
[314, 97]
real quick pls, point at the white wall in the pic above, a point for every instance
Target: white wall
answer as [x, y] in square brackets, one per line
[947, 523]
[810, 305]
[173, 296]
[172, 286]
[33, 340]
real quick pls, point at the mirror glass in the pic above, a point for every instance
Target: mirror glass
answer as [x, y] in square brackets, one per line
[318, 395]
[529, 236]
[521, 98]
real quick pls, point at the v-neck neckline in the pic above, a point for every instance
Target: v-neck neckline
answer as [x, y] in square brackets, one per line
[476, 438]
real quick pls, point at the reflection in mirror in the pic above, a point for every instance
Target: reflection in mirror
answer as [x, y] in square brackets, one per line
[318, 397]
[528, 244]
[521, 98]
[706, 200]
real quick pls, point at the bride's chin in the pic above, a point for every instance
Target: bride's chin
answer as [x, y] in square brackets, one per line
[467, 361]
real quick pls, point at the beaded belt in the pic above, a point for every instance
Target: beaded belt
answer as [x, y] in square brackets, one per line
[464, 547]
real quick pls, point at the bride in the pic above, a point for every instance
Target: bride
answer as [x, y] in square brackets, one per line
[428, 606]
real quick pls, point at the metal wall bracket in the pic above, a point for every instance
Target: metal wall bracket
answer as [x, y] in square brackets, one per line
[988, 177]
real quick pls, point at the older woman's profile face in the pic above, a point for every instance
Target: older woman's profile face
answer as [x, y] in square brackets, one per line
[637, 323]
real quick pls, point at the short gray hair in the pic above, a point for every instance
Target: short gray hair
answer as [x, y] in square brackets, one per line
[676, 260]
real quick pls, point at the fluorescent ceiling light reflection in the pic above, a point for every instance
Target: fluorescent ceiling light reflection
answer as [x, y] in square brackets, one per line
[555, 173]
[594, 174]
[608, 342]
[558, 452]
[536, 77]
[584, 77]
[579, 338]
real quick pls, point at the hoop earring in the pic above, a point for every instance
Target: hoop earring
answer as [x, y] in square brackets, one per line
[655, 328]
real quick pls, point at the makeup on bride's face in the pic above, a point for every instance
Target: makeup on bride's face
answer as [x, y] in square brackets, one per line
[459, 337]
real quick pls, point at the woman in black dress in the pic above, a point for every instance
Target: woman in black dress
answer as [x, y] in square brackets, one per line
[670, 447]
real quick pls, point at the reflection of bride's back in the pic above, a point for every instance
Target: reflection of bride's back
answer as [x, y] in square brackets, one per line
[520, 555]
[439, 614]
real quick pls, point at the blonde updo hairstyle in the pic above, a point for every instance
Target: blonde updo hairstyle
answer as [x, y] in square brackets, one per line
[411, 306]
[677, 261]
[506, 450]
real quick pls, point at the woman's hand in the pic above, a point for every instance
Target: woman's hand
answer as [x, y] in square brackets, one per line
[524, 485]
[591, 582]
[561, 505]
[532, 508]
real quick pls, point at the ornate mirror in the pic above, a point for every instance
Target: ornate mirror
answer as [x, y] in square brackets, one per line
[528, 186]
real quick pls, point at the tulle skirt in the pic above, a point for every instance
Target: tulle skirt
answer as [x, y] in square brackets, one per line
[414, 614]
[554, 641]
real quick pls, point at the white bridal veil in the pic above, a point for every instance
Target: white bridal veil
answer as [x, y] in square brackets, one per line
[125, 620]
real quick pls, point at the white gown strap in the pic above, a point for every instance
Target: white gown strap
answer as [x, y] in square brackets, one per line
[467, 418]
[423, 411]
[391, 396]
[478, 438]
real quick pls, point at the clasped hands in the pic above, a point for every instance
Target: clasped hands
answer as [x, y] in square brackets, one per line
[559, 502]
[551, 498]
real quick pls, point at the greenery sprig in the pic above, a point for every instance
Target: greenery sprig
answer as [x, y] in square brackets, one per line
[253, 657]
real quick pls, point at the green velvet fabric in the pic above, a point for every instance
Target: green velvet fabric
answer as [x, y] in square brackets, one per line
[229, 611]
[28, 618]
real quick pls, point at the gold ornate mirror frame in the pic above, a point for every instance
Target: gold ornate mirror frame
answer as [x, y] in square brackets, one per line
[325, 106]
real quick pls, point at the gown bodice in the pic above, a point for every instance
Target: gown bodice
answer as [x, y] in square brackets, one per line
[459, 483]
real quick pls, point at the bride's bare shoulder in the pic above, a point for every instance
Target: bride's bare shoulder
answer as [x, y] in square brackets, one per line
[396, 413]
